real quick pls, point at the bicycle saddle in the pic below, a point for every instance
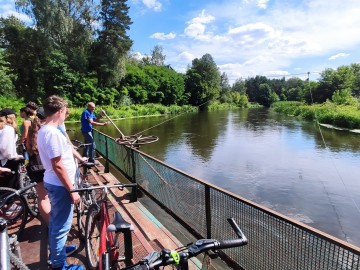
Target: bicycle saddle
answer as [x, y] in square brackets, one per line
[119, 224]
[87, 165]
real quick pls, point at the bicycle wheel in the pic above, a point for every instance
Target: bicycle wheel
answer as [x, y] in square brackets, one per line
[87, 199]
[13, 211]
[31, 196]
[92, 243]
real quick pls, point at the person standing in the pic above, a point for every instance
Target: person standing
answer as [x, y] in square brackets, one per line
[88, 120]
[56, 155]
[9, 158]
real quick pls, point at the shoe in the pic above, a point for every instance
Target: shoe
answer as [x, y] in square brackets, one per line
[14, 208]
[69, 267]
[68, 249]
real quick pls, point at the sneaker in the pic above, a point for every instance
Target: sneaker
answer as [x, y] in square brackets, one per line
[68, 249]
[69, 267]
[14, 208]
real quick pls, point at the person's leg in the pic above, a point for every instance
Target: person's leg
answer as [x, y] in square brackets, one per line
[90, 148]
[43, 201]
[86, 148]
[60, 223]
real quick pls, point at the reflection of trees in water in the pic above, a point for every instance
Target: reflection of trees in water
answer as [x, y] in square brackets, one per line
[336, 140]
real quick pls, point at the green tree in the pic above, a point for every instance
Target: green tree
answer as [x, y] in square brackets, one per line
[109, 52]
[6, 77]
[26, 50]
[202, 81]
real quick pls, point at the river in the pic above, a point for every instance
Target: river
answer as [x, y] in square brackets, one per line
[294, 167]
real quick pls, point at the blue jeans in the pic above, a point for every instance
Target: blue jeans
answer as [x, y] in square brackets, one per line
[89, 149]
[61, 216]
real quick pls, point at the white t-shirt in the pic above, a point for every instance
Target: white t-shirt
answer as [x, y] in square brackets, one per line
[51, 144]
[8, 139]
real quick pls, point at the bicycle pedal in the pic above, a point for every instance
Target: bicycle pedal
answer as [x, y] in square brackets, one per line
[121, 258]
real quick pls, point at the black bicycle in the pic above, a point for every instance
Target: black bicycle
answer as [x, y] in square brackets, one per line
[14, 208]
[181, 256]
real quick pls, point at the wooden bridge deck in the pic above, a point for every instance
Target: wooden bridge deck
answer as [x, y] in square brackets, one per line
[149, 234]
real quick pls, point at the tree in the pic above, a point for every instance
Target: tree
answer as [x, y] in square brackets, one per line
[67, 23]
[157, 56]
[6, 77]
[110, 51]
[202, 81]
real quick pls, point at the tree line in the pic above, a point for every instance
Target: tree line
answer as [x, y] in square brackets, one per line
[80, 49]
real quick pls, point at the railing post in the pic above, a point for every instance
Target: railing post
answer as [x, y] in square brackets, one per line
[208, 211]
[133, 164]
[107, 166]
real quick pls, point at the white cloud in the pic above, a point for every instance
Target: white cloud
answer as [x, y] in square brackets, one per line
[197, 26]
[339, 55]
[137, 55]
[186, 56]
[152, 4]
[163, 36]
[262, 4]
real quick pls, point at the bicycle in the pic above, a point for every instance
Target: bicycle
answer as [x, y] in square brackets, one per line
[31, 194]
[102, 237]
[87, 198]
[14, 208]
[10, 249]
[181, 256]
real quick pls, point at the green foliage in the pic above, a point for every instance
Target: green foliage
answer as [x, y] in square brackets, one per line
[11, 102]
[134, 110]
[6, 77]
[346, 116]
[202, 81]
[343, 97]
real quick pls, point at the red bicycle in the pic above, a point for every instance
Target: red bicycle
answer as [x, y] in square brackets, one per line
[102, 236]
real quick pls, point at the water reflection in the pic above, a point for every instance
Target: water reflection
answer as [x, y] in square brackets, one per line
[272, 159]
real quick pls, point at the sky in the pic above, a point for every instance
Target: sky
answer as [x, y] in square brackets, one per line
[246, 37]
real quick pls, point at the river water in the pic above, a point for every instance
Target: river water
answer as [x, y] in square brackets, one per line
[294, 167]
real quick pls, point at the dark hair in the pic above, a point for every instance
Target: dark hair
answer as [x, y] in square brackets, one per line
[32, 105]
[31, 146]
[28, 111]
[54, 104]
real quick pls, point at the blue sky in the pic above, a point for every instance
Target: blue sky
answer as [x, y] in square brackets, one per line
[246, 37]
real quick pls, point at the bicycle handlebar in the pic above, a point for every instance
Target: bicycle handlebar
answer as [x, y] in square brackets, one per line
[166, 257]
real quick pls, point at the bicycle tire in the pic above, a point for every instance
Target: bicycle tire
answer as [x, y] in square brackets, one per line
[87, 199]
[14, 211]
[92, 231]
[17, 262]
[31, 196]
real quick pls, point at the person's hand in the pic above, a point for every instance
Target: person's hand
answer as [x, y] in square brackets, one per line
[107, 122]
[84, 159]
[4, 170]
[75, 197]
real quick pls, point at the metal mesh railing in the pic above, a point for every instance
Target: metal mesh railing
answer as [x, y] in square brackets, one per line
[275, 241]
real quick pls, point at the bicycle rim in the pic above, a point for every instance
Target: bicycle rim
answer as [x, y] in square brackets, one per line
[14, 211]
[92, 233]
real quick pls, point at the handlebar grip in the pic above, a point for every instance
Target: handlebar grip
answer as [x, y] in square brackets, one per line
[233, 243]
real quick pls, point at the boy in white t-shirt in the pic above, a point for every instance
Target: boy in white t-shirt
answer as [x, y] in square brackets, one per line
[56, 155]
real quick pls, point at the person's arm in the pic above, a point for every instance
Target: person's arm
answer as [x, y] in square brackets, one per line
[79, 157]
[25, 131]
[62, 174]
[96, 123]
[8, 146]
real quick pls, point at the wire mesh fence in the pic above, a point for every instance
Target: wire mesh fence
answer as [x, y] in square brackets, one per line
[275, 241]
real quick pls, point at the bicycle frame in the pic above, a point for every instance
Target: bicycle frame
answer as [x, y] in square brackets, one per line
[4, 249]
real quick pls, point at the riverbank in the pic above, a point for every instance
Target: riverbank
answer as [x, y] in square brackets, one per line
[345, 117]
